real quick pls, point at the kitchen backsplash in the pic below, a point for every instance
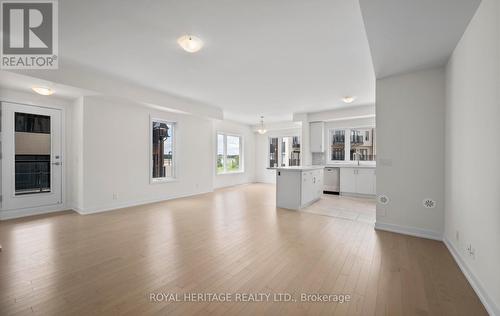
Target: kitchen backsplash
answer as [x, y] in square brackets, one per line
[318, 158]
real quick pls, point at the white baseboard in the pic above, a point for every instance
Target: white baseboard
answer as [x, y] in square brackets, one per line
[33, 211]
[116, 206]
[488, 302]
[411, 231]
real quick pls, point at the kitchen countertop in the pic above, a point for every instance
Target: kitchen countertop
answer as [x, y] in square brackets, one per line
[301, 168]
[350, 165]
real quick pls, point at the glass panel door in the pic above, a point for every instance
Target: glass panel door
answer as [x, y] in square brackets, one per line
[31, 156]
[32, 153]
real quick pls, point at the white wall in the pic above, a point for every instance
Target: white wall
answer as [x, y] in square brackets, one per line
[107, 153]
[116, 155]
[75, 148]
[472, 174]
[248, 135]
[347, 112]
[410, 149]
[262, 172]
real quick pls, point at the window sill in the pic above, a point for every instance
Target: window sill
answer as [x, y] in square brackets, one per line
[230, 172]
[163, 180]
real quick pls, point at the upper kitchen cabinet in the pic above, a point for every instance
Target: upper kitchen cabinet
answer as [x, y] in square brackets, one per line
[317, 135]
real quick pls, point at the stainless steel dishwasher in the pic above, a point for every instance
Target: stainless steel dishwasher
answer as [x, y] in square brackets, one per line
[331, 180]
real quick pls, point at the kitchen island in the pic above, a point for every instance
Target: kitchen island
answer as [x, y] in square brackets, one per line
[298, 187]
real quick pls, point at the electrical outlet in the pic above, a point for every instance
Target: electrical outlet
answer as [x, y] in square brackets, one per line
[115, 196]
[457, 235]
[471, 251]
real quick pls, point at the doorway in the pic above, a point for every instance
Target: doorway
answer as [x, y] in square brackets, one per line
[31, 156]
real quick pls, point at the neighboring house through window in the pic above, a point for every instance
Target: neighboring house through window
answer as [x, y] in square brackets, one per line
[350, 144]
[284, 151]
[163, 150]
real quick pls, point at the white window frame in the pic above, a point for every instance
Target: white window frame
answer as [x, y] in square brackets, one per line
[174, 136]
[280, 142]
[347, 144]
[242, 158]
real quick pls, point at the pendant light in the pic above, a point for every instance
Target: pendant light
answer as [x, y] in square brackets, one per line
[262, 129]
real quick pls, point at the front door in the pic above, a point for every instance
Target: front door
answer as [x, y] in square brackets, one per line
[31, 156]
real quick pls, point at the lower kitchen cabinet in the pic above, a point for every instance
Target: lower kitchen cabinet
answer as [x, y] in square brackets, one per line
[298, 187]
[357, 181]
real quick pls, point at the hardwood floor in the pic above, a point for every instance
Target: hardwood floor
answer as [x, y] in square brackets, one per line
[233, 240]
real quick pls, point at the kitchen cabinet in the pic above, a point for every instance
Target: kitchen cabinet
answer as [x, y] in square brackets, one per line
[316, 137]
[358, 181]
[298, 187]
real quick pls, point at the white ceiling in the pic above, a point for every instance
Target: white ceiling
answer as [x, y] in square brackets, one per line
[14, 81]
[268, 58]
[407, 35]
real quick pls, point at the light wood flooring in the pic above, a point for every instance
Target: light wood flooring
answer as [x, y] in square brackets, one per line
[233, 240]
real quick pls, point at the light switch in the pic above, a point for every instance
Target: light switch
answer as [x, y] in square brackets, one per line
[386, 162]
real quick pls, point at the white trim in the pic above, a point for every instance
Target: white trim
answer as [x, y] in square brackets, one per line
[411, 231]
[487, 301]
[358, 195]
[230, 172]
[111, 207]
[18, 213]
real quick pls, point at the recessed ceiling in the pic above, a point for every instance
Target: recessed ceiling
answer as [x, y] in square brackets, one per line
[14, 81]
[408, 35]
[268, 58]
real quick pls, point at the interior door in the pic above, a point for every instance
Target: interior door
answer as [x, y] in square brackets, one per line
[31, 156]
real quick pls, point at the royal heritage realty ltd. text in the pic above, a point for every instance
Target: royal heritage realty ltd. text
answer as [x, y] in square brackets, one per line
[164, 297]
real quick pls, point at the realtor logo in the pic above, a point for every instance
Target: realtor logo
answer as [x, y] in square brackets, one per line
[29, 34]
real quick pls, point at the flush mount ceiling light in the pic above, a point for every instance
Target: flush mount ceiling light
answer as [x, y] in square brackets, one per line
[190, 43]
[43, 90]
[262, 130]
[348, 99]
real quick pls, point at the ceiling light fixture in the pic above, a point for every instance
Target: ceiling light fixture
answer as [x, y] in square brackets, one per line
[348, 99]
[190, 43]
[262, 130]
[43, 90]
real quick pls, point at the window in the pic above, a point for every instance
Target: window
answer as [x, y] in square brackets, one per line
[360, 144]
[273, 152]
[284, 151]
[163, 150]
[337, 145]
[229, 153]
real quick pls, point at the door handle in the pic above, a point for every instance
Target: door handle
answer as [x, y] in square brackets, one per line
[57, 163]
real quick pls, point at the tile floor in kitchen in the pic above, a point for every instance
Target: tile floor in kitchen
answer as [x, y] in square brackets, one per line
[352, 208]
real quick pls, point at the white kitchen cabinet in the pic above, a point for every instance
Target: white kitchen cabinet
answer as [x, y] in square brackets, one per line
[298, 187]
[316, 137]
[348, 180]
[357, 181]
[365, 181]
